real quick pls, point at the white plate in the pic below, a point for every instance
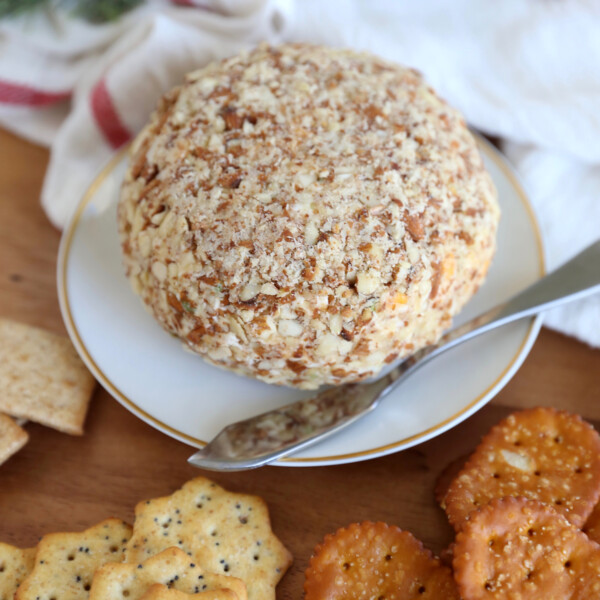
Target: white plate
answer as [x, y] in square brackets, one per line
[151, 374]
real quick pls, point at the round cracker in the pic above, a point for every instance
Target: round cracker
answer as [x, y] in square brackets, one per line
[520, 548]
[446, 477]
[541, 454]
[375, 560]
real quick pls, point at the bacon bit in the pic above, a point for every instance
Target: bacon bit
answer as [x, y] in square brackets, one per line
[232, 119]
[339, 372]
[414, 224]
[365, 247]
[223, 206]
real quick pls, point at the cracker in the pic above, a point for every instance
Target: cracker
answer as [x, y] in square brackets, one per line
[65, 562]
[171, 567]
[375, 560]
[592, 525]
[519, 548]
[446, 477]
[158, 591]
[42, 378]
[224, 532]
[12, 437]
[542, 454]
[15, 565]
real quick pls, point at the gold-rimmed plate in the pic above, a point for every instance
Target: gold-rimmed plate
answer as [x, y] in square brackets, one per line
[152, 375]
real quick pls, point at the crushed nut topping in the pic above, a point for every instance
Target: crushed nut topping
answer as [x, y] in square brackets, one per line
[301, 214]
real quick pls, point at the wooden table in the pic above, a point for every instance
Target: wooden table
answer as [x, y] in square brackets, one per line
[63, 483]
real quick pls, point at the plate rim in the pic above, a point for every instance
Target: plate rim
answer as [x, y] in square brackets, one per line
[66, 241]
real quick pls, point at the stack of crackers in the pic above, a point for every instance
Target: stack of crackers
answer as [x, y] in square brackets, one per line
[201, 541]
[527, 520]
[41, 379]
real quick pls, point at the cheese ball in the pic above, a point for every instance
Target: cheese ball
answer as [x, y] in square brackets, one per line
[306, 215]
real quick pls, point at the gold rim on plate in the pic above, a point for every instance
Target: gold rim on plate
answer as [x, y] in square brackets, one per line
[63, 258]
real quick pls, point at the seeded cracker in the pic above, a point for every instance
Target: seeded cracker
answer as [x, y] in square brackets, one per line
[12, 437]
[172, 568]
[162, 592]
[592, 525]
[15, 565]
[516, 548]
[65, 562]
[375, 560]
[542, 454]
[225, 533]
[445, 478]
[42, 378]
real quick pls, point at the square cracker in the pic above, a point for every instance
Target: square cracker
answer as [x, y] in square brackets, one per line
[42, 378]
[172, 568]
[15, 565]
[158, 591]
[12, 438]
[65, 562]
[225, 533]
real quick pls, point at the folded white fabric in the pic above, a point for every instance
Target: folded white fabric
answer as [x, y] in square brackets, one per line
[528, 72]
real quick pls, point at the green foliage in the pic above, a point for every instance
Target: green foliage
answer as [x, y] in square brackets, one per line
[93, 11]
[101, 11]
[15, 7]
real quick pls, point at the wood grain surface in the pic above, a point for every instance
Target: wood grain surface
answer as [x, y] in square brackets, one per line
[63, 483]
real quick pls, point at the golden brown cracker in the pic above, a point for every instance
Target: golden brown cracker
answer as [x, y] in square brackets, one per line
[158, 591]
[519, 548]
[15, 565]
[225, 533]
[592, 525]
[376, 560]
[12, 438]
[542, 454]
[65, 562]
[172, 567]
[445, 478]
[42, 378]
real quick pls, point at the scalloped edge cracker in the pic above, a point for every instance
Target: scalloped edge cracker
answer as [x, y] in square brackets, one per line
[542, 454]
[172, 567]
[225, 532]
[376, 560]
[15, 565]
[12, 438]
[42, 378]
[65, 562]
[158, 591]
[520, 548]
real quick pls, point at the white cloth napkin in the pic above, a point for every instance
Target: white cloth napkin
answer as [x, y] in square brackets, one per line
[527, 72]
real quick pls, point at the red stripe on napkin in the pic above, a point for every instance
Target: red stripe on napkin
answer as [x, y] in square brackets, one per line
[13, 93]
[106, 116]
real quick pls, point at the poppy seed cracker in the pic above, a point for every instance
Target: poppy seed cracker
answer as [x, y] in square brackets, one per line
[224, 532]
[65, 562]
[15, 565]
[172, 567]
